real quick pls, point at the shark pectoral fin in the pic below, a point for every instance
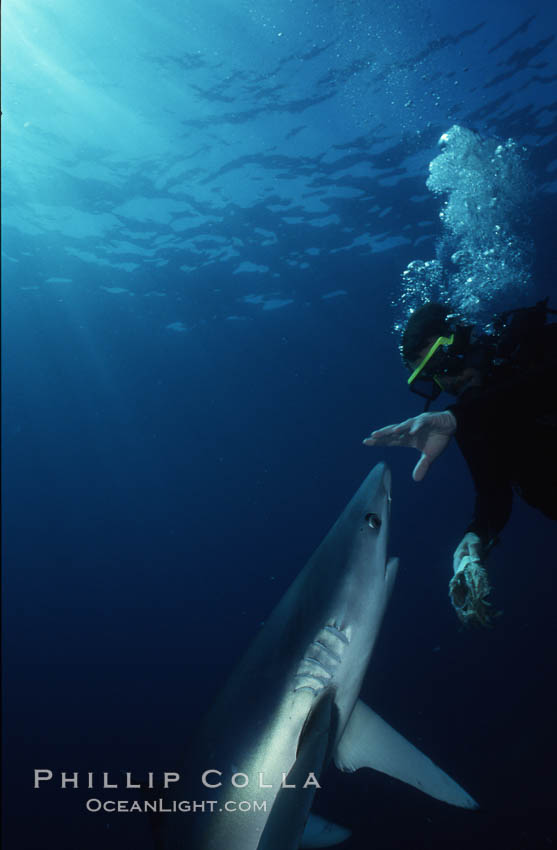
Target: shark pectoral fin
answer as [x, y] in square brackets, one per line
[321, 833]
[368, 741]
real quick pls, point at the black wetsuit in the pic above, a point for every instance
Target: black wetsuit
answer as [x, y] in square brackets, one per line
[507, 432]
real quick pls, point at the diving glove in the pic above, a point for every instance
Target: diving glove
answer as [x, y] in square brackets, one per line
[430, 433]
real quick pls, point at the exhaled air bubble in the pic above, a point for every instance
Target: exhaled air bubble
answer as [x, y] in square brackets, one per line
[482, 253]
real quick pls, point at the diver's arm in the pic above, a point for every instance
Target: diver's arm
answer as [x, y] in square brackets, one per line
[486, 418]
[494, 494]
[534, 393]
[492, 511]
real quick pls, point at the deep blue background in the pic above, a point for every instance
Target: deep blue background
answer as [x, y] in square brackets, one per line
[163, 487]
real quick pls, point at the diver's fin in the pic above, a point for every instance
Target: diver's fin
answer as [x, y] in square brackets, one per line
[321, 833]
[368, 741]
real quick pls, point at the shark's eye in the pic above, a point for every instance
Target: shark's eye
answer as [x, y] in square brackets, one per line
[373, 520]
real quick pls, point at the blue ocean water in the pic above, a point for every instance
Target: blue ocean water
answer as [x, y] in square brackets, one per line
[207, 211]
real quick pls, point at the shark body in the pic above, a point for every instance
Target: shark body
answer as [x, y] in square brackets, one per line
[292, 702]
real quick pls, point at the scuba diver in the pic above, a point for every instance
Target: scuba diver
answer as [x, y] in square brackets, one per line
[504, 420]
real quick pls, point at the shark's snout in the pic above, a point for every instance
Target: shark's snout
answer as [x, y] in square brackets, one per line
[380, 517]
[387, 480]
[382, 494]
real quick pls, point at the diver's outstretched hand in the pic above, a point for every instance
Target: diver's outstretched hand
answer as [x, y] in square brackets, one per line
[430, 433]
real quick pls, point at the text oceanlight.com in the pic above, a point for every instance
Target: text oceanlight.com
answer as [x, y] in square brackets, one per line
[174, 806]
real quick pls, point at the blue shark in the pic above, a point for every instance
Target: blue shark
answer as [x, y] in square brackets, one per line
[292, 704]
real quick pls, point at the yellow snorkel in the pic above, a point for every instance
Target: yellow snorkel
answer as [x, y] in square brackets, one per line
[442, 340]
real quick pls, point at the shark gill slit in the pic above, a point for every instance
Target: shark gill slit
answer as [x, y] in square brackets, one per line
[334, 655]
[311, 660]
[338, 632]
[321, 659]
